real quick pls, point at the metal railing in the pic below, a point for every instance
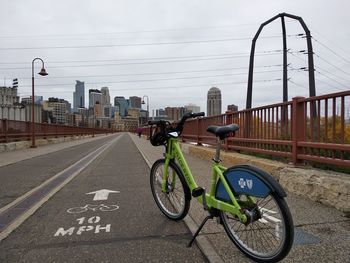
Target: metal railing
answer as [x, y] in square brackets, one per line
[315, 129]
[11, 130]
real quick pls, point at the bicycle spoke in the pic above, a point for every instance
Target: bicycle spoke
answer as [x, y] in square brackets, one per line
[264, 236]
[172, 202]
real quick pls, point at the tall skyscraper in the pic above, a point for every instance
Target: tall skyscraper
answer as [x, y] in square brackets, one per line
[122, 104]
[214, 102]
[105, 98]
[106, 102]
[95, 97]
[79, 96]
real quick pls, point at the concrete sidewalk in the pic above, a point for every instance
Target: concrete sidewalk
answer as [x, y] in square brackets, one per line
[322, 234]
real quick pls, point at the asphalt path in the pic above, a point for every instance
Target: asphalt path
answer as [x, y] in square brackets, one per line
[79, 225]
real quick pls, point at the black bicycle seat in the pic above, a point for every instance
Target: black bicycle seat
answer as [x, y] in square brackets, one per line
[222, 131]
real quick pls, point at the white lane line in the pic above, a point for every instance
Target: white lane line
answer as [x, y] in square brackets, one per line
[19, 220]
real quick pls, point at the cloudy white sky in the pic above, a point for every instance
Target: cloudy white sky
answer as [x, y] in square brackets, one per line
[172, 51]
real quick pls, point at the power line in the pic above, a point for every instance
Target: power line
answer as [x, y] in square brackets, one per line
[291, 81]
[170, 87]
[332, 51]
[320, 68]
[154, 58]
[333, 65]
[331, 78]
[132, 44]
[136, 81]
[140, 63]
[159, 73]
[331, 42]
[129, 32]
[304, 70]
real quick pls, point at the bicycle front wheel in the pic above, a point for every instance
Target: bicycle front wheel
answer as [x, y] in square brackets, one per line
[174, 201]
[267, 239]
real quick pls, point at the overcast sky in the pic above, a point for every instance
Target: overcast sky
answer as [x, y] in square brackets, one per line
[172, 51]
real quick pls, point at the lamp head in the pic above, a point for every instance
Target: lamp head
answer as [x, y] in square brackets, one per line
[143, 102]
[43, 72]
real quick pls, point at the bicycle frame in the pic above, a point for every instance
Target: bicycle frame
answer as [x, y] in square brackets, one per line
[173, 151]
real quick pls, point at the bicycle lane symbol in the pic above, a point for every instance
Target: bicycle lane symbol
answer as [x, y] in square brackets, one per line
[93, 223]
[89, 207]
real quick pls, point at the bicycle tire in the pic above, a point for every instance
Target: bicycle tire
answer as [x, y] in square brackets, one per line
[175, 203]
[279, 238]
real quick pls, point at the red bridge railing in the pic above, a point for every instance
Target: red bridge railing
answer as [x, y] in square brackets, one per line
[21, 130]
[315, 129]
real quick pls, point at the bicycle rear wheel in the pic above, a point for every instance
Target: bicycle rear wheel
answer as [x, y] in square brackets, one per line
[268, 236]
[175, 201]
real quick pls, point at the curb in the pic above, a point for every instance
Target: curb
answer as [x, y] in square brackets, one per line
[202, 241]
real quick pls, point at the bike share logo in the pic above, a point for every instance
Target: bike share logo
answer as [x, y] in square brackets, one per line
[245, 183]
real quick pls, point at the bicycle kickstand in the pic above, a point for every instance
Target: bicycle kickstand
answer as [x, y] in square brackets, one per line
[199, 229]
[195, 193]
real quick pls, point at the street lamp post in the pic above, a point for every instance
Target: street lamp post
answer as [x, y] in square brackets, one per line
[42, 73]
[143, 102]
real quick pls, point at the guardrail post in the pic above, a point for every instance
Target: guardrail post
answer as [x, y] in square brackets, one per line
[27, 133]
[4, 127]
[44, 125]
[198, 131]
[56, 131]
[298, 122]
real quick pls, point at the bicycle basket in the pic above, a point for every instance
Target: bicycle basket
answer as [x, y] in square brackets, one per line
[158, 137]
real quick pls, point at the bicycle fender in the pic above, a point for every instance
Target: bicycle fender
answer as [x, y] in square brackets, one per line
[249, 180]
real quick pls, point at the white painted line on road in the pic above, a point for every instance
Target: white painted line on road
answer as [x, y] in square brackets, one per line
[19, 220]
[101, 194]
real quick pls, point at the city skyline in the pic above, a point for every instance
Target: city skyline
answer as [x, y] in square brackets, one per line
[178, 54]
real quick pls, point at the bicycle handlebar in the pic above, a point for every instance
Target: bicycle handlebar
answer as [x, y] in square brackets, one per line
[179, 126]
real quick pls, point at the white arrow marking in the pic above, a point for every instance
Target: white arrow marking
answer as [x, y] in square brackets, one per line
[101, 194]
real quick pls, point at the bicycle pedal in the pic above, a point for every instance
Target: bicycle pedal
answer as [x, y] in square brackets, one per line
[197, 191]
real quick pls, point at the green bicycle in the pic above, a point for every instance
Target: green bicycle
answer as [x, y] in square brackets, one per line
[248, 201]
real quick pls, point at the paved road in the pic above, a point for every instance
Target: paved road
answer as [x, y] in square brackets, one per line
[135, 232]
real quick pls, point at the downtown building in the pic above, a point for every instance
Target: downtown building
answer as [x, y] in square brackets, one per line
[122, 105]
[79, 96]
[59, 108]
[232, 108]
[175, 113]
[135, 102]
[192, 108]
[214, 102]
[10, 108]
